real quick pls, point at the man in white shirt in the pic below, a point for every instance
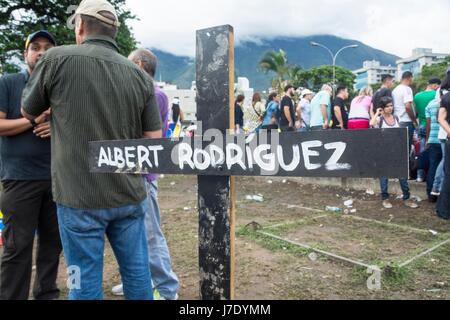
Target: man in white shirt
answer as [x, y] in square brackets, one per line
[403, 105]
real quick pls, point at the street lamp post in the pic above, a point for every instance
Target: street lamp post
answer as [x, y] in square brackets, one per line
[334, 57]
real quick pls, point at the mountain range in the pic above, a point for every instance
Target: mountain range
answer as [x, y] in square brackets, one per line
[180, 70]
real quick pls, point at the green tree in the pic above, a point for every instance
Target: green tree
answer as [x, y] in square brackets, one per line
[19, 18]
[428, 72]
[277, 63]
[316, 77]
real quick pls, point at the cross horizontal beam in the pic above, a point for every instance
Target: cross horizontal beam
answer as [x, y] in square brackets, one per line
[366, 153]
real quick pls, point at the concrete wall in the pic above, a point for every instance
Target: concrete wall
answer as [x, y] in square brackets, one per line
[417, 189]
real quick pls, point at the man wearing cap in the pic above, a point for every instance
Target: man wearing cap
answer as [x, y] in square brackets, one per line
[27, 202]
[96, 94]
[304, 110]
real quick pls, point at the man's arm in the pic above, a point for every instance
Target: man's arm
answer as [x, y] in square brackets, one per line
[299, 113]
[443, 120]
[9, 128]
[428, 130]
[410, 111]
[152, 134]
[35, 98]
[151, 120]
[338, 114]
[287, 113]
[324, 109]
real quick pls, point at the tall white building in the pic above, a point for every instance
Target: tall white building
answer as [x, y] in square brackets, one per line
[420, 57]
[371, 73]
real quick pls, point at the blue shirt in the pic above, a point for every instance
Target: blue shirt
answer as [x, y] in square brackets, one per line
[272, 109]
[23, 157]
[322, 98]
[431, 112]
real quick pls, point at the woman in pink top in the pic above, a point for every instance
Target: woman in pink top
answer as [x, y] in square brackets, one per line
[360, 110]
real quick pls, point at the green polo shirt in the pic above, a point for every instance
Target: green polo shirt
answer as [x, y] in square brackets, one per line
[421, 100]
[95, 94]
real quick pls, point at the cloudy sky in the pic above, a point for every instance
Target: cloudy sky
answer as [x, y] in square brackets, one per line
[395, 26]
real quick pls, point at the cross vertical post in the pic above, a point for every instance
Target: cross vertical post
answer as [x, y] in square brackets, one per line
[215, 110]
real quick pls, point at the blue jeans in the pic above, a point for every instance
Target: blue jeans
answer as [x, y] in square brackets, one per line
[384, 184]
[164, 279]
[435, 152]
[439, 177]
[443, 205]
[83, 239]
[411, 130]
[422, 134]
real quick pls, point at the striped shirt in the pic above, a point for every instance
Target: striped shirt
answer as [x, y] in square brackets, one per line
[95, 94]
[431, 112]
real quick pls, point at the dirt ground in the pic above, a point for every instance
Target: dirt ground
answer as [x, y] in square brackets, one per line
[270, 269]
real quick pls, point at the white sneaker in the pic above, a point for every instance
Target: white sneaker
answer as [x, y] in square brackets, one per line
[117, 290]
[420, 180]
[387, 204]
[435, 193]
[410, 204]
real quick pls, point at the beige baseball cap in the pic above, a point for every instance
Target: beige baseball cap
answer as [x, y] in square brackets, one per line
[93, 7]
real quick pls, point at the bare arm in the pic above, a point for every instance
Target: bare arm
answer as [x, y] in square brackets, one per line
[152, 134]
[9, 128]
[181, 115]
[428, 129]
[337, 112]
[372, 114]
[443, 120]
[287, 113]
[375, 119]
[324, 110]
[299, 113]
[410, 112]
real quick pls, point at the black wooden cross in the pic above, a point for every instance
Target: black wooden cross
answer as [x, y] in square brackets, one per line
[215, 157]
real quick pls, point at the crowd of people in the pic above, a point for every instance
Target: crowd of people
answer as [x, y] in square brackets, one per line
[392, 106]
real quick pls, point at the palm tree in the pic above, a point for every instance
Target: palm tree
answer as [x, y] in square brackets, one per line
[277, 63]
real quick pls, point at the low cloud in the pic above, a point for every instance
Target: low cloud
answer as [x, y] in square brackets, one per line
[393, 26]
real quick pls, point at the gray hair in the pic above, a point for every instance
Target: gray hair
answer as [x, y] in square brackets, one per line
[327, 87]
[148, 58]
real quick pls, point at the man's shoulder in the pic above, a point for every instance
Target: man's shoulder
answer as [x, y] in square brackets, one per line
[160, 94]
[286, 99]
[95, 52]
[12, 77]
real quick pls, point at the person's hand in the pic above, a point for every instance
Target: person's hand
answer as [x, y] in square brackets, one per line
[341, 126]
[291, 125]
[298, 124]
[45, 116]
[379, 112]
[42, 130]
[416, 124]
[325, 125]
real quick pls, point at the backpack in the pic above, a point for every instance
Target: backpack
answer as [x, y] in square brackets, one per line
[277, 113]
